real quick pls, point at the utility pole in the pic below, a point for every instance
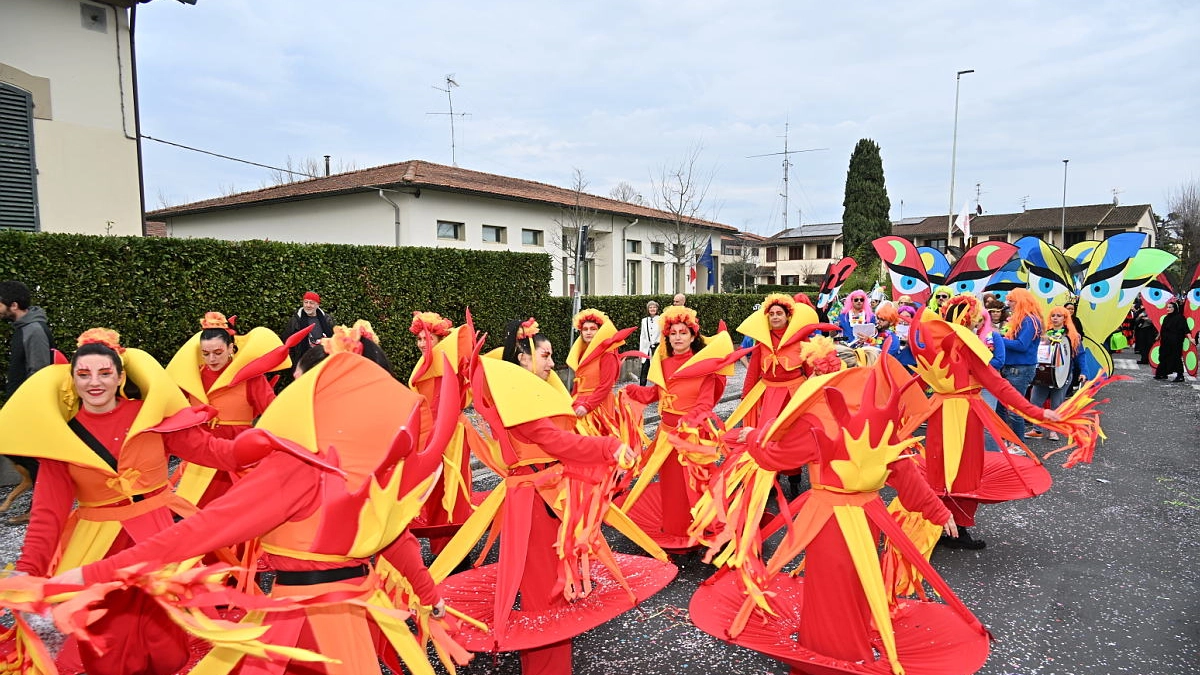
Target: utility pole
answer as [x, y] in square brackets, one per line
[786, 165]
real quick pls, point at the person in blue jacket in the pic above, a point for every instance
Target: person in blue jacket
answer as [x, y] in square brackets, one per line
[1021, 341]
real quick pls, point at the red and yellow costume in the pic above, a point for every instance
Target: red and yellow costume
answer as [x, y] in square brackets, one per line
[597, 366]
[239, 392]
[777, 364]
[687, 387]
[839, 616]
[554, 494]
[338, 461]
[452, 500]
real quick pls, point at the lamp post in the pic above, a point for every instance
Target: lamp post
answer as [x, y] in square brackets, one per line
[1063, 230]
[953, 158]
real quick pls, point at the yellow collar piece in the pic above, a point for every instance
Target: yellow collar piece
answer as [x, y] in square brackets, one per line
[972, 341]
[291, 416]
[580, 355]
[757, 327]
[436, 368]
[520, 396]
[717, 347]
[37, 414]
[186, 365]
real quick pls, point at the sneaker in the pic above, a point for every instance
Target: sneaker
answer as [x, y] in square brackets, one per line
[1033, 433]
[1054, 436]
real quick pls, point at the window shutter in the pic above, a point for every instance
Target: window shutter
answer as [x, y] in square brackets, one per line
[18, 179]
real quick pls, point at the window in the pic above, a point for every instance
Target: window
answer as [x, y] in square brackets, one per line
[754, 253]
[494, 234]
[1108, 234]
[731, 249]
[18, 189]
[531, 237]
[633, 246]
[796, 252]
[789, 280]
[998, 237]
[1074, 238]
[633, 276]
[658, 273]
[771, 253]
[939, 244]
[824, 250]
[657, 248]
[450, 230]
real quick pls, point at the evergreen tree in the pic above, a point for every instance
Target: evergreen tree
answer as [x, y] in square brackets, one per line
[866, 205]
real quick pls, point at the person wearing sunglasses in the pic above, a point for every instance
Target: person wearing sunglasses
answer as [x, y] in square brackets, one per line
[856, 312]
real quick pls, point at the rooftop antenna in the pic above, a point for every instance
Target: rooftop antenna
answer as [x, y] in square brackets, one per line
[786, 165]
[1115, 192]
[450, 84]
[978, 193]
[1025, 203]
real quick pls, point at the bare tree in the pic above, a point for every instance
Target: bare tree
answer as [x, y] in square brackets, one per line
[305, 168]
[1182, 229]
[562, 244]
[737, 275]
[680, 190]
[624, 192]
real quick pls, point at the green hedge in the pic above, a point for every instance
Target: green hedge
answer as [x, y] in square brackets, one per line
[154, 290]
[765, 289]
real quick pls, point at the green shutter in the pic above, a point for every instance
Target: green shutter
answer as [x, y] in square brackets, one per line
[18, 179]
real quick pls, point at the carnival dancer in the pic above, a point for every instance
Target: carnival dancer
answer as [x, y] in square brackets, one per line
[103, 427]
[554, 494]
[688, 374]
[219, 368]
[954, 362]
[596, 364]
[857, 312]
[779, 328]
[340, 452]
[445, 352]
[839, 615]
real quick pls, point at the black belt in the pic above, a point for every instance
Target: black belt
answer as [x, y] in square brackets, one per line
[312, 577]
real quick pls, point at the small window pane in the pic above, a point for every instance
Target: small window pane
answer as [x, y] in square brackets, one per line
[493, 234]
[531, 237]
[449, 230]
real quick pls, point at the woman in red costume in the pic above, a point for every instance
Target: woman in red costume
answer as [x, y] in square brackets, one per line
[219, 368]
[596, 364]
[953, 361]
[445, 351]
[103, 427]
[555, 492]
[338, 453]
[687, 375]
[838, 617]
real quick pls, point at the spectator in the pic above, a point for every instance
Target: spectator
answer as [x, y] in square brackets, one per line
[1021, 340]
[30, 351]
[649, 335]
[1060, 344]
[1170, 347]
[680, 300]
[311, 316]
[1144, 334]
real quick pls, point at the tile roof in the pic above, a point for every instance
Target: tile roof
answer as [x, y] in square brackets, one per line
[417, 174]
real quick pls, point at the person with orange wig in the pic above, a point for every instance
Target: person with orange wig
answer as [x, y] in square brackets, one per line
[1021, 340]
[597, 365]
[687, 376]
[1061, 342]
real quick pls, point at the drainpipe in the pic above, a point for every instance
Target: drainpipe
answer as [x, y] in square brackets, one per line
[396, 208]
[137, 114]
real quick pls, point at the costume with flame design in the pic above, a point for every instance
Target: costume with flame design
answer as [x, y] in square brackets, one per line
[445, 351]
[597, 365]
[554, 494]
[839, 616]
[687, 386]
[781, 359]
[347, 454]
[238, 390]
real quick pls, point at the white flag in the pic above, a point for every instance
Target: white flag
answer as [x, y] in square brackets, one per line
[963, 222]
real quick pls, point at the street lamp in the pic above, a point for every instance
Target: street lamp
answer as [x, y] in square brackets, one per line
[1063, 232]
[953, 158]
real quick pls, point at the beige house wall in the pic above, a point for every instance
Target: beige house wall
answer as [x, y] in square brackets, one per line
[85, 146]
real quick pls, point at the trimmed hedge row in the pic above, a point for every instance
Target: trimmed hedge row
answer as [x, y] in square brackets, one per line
[765, 289]
[154, 290]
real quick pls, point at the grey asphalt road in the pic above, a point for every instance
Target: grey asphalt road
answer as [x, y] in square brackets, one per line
[1101, 575]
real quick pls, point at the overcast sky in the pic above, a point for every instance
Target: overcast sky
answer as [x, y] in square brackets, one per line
[619, 89]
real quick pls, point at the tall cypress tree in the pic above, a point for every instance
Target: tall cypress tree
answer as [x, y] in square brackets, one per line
[866, 205]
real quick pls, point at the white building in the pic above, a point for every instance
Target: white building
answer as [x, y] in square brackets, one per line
[631, 249]
[68, 118]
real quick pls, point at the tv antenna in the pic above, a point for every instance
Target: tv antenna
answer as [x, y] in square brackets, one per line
[450, 84]
[786, 165]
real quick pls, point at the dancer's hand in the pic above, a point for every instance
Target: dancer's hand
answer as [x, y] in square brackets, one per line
[580, 411]
[439, 610]
[72, 577]
[1051, 415]
[744, 434]
[625, 456]
[951, 528]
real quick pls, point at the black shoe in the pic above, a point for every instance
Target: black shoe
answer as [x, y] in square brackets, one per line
[1143, 363]
[1160, 377]
[1178, 379]
[964, 541]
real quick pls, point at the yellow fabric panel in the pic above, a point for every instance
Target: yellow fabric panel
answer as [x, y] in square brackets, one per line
[290, 415]
[35, 419]
[161, 397]
[617, 519]
[578, 354]
[954, 422]
[521, 396]
[757, 327]
[194, 482]
[90, 541]
[862, 546]
[465, 539]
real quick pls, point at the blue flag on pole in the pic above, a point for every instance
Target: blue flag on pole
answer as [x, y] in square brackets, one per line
[707, 260]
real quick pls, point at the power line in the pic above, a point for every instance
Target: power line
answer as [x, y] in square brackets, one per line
[232, 159]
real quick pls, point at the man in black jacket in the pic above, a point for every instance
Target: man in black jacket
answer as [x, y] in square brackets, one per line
[311, 316]
[29, 352]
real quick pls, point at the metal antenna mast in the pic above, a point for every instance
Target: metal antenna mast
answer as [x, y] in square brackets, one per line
[786, 165]
[450, 84]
